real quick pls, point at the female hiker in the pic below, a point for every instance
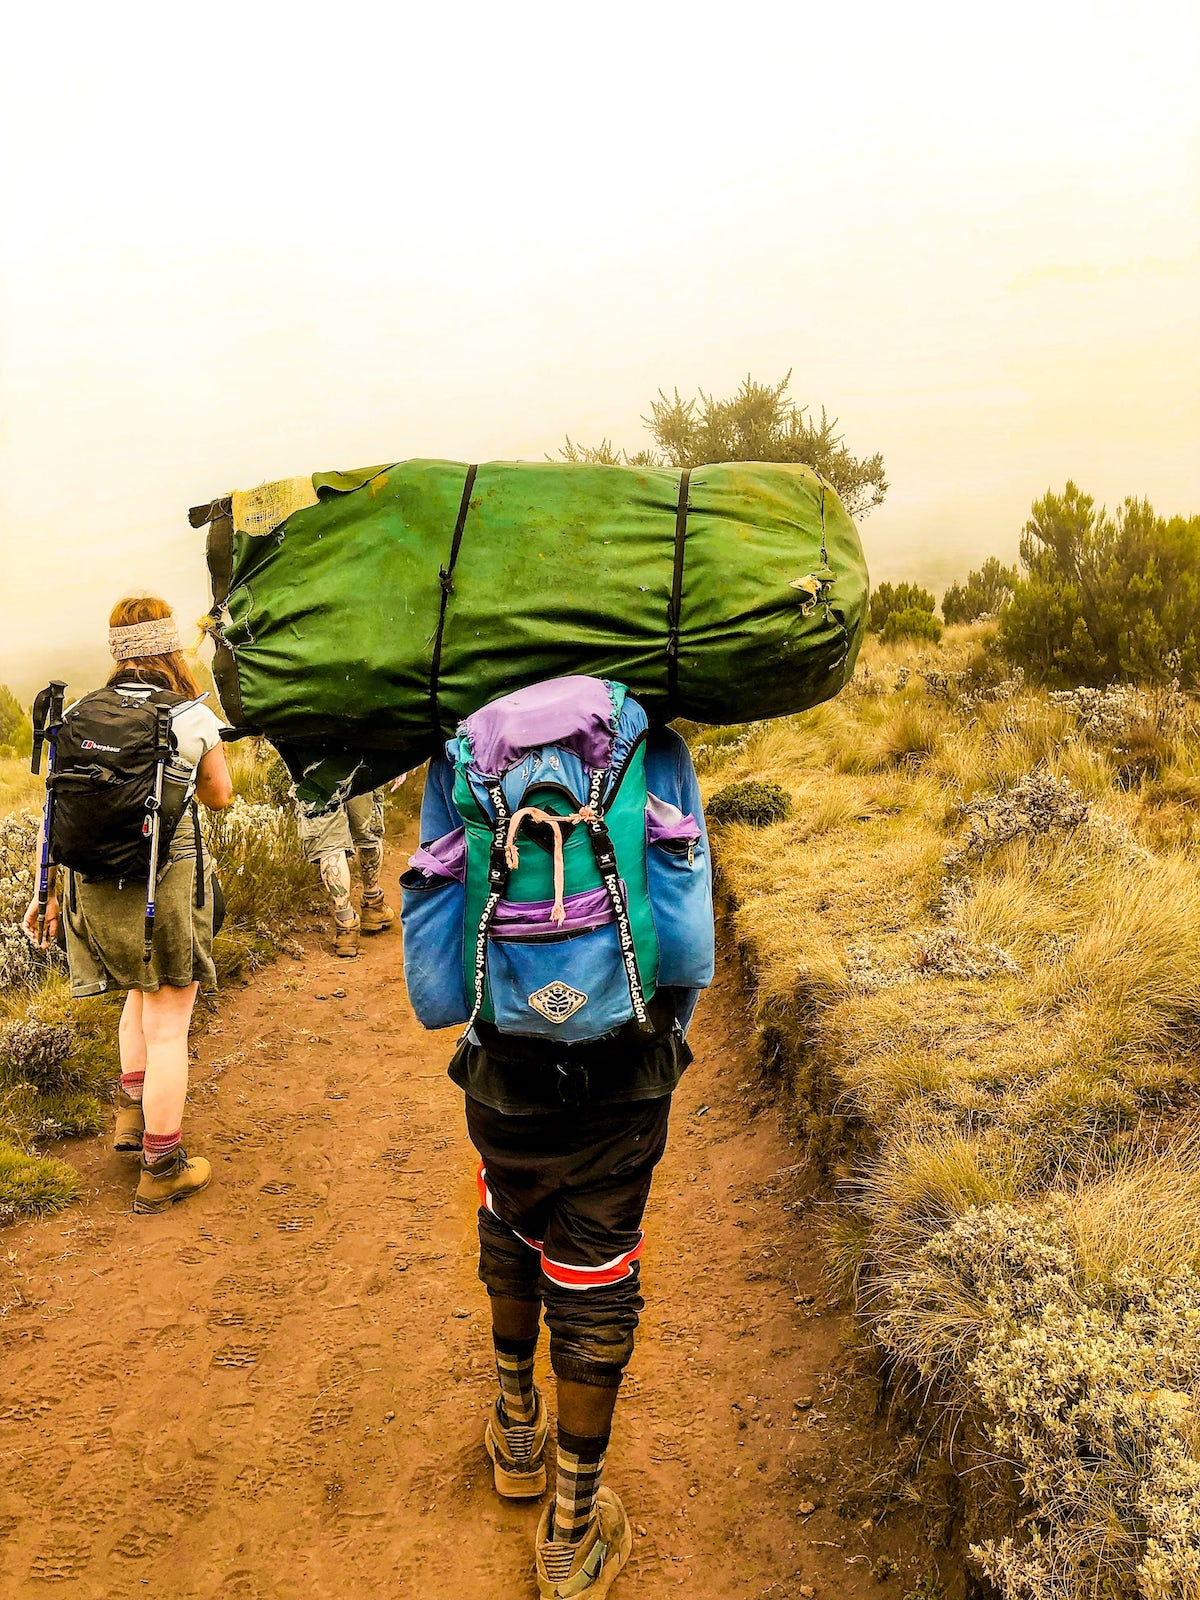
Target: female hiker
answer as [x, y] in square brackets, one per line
[127, 927]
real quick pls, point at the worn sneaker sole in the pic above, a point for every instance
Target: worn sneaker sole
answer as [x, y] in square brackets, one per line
[515, 1485]
[148, 1208]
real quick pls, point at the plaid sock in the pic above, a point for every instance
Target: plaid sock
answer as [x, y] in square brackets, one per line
[132, 1083]
[514, 1368]
[157, 1145]
[580, 1464]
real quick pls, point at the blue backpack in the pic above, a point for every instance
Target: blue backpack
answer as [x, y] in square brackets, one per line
[568, 893]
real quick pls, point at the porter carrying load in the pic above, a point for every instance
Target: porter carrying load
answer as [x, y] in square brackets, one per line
[360, 616]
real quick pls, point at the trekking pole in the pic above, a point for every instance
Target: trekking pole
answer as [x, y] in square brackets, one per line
[162, 753]
[47, 720]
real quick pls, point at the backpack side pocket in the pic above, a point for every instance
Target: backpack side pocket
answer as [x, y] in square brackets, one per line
[433, 906]
[679, 878]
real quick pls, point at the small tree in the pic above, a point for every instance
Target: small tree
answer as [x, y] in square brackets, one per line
[984, 594]
[893, 598]
[1105, 597]
[16, 733]
[761, 422]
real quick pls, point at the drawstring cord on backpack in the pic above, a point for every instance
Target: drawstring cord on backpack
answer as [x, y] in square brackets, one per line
[558, 912]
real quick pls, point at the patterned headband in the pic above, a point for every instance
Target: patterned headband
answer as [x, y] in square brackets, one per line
[158, 638]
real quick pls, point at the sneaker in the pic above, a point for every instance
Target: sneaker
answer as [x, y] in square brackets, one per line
[345, 938]
[518, 1452]
[376, 915]
[586, 1570]
[170, 1180]
[127, 1135]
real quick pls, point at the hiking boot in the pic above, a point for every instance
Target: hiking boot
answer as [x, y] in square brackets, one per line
[127, 1135]
[170, 1180]
[345, 938]
[518, 1452]
[586, 1570]
[376, 915]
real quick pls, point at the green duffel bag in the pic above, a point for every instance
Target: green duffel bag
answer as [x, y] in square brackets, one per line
[360, 616]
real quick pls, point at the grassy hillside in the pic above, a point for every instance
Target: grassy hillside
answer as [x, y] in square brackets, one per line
[976, 946]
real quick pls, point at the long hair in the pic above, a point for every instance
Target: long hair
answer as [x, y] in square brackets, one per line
[169, 671]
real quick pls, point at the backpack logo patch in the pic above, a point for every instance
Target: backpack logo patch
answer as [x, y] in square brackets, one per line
[557, 1001]
[111, 749]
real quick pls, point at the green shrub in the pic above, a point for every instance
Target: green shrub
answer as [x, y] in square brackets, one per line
[1105, 596]
[913, 622]
[893, 597]
[260, 864]
[760, 804]
[985, 593]
[33, 1185]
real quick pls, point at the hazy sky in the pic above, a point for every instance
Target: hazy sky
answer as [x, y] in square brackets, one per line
[239, 242]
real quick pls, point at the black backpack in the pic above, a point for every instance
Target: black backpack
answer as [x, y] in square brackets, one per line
[106, 782]
[113, 800]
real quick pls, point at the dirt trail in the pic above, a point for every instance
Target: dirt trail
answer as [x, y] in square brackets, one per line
[277, 1391]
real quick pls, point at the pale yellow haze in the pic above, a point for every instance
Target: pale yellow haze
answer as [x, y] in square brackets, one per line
[242, 242]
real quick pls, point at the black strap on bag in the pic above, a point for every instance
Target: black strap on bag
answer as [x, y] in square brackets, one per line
[675, 609]
[446, 579]
[199, 838]
[606, 865]
[498, 875]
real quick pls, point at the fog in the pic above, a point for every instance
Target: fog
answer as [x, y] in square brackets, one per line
[240, 244]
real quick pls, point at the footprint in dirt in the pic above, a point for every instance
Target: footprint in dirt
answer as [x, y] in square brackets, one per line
[140, 1544]
[63, 1556]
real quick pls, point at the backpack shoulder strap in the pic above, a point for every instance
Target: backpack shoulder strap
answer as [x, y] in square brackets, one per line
[498, 874]
[606, 865]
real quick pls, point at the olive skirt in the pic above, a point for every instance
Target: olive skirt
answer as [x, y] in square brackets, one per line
[104, 921]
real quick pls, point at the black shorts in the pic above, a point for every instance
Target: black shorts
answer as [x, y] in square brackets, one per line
[562, 1198]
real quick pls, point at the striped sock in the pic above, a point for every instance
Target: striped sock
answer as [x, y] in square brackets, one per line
[157, 1145]
[514, 1369]
[132, 1083]
[580, 1464]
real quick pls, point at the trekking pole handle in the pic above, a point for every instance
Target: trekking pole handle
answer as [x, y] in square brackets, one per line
[47, 715]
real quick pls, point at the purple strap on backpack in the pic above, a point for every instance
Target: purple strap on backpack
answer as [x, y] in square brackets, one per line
[576, 713]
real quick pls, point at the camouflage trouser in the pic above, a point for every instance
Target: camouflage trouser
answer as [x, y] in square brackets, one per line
[353, 829]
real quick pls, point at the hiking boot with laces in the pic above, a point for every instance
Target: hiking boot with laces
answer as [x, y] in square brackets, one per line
[518, 1452]
[345, 938]
[586, 1570]
[164, 1183]
[127, 1135]
[376, 915]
